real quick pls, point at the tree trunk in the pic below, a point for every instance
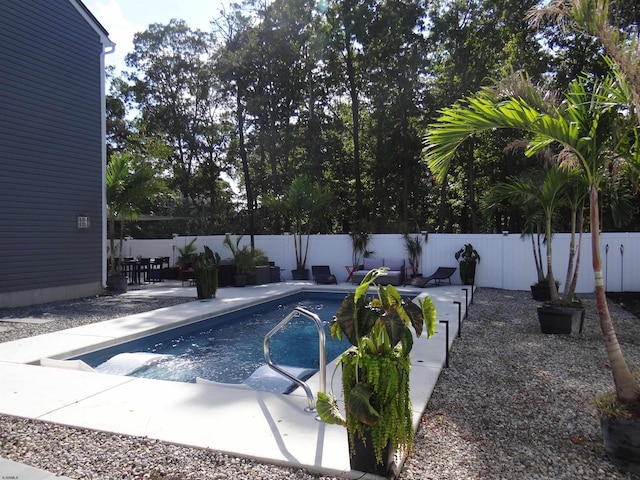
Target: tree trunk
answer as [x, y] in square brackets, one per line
[627, 388]
[471, 178]
[550, 277]
[355, 130]
[442, 209]
[113, 268]
[245, 162]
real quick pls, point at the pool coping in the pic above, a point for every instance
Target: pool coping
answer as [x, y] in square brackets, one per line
[263, 426]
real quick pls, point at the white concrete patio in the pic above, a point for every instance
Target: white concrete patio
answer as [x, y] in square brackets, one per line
[268, 427]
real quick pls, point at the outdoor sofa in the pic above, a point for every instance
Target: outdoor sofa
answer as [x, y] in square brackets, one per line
[394, 276]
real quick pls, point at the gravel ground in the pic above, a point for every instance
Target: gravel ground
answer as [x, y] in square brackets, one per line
[514, 404]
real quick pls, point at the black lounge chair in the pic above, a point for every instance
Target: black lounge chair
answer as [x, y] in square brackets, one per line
[442, 273]
[322, 274]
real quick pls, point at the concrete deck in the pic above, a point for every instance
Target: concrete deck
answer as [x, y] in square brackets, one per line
[267, 427]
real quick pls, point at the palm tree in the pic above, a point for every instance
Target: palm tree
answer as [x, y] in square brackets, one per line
[130, 184]
[304, 204]
[540, 194]
[591, 17]
[593, 125]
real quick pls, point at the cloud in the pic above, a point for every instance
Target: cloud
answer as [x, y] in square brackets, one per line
[121, 29]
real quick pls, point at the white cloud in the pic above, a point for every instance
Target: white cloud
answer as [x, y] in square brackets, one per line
[120, 28]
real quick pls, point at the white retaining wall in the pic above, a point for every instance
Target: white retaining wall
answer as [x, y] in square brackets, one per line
[506, 260]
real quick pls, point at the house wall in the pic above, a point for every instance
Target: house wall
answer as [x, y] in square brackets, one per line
[506, 261]
[51, 155]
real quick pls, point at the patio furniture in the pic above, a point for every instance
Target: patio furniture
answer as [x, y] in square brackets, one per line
[394, 276]
[322, 274]
[144, 266]
[131, 268]
[186, 273]
[157, 268]
[350, 269]
[441, 274]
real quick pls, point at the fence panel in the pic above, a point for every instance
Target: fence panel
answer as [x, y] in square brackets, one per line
[506, 260]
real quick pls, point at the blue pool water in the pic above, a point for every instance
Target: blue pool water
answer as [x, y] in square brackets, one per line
[228, 348]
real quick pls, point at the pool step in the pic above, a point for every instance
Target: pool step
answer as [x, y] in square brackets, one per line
[265, 379]
[129, 363]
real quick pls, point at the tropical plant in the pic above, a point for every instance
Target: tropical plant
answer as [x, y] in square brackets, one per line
[187, 253]
[591, 17]
[529, 211]
[544, 191]
[413, 244]
[130, 184]
[206, 270]
[304, 204]
[594, 126]
[467, 257]
[245, 258]
[359, 247]
[375, 370]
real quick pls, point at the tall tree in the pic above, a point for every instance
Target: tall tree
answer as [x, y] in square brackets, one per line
[346, 19]
[233, 69]
[175, 90]
[470, 43]
[277, 81]
[394, 60]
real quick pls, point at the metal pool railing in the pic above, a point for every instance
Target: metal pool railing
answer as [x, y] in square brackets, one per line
[323, 360]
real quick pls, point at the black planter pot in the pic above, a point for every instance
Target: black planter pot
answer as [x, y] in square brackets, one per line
[468, 272]
[363, 457]
[622, 442]
[117, 283]
[541, 292]
[170, 273]
[302, 274]
[240, 280]
[560, 320]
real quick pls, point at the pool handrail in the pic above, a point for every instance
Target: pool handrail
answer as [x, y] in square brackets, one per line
[323, 360]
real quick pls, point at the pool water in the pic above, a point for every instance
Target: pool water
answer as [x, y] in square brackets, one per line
[228, 348]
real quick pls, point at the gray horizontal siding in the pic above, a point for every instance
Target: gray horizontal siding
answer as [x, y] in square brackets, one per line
[50, 146]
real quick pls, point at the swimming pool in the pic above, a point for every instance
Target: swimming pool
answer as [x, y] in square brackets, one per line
[227, 348]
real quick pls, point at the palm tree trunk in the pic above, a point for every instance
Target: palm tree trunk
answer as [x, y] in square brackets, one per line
[537, 257]
[627, 388]
[550, 278]
[576, 270]
[113, 268]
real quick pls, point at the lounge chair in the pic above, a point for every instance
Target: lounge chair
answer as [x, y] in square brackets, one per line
[322, 274]
[442, 273]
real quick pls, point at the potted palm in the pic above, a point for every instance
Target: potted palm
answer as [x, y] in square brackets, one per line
[245, 258]
[375, 372]
[593, 126]
[359, 247]
[468, 258]
[359, 250]
[541, 193]
[304, 204]
[187, 253]
[186, 256]
[526, 193]
[413, 245]
[130, 183]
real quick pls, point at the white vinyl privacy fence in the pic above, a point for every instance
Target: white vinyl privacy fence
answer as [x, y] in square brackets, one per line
[506, 260]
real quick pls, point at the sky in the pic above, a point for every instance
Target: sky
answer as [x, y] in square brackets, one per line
[123, 18]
